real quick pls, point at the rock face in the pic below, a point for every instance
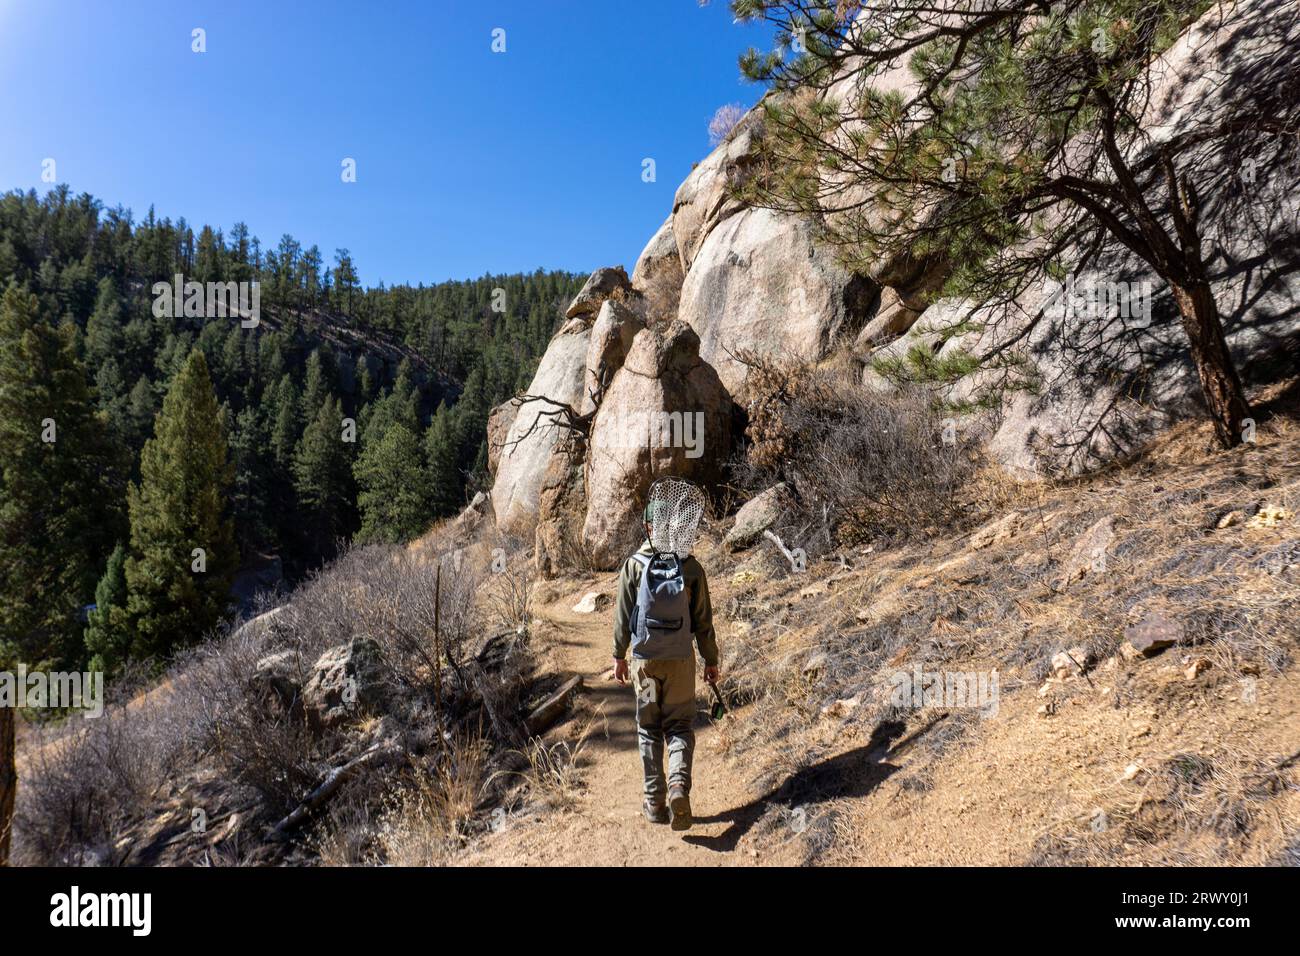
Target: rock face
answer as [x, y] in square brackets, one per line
[658, 275]
[603, 283]
[498, 428]
[750, 278]
[659, 257]
[1102, 394]
[703, 199]
[346, 681]
[756, 516]
[523, 461]
[562, 508]
[562, 500]
[666, 412]
[611, 338]
[760, 283]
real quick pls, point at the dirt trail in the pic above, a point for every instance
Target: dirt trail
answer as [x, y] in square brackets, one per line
[604, 825]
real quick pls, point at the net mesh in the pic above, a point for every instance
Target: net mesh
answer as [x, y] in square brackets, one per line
[673, 511]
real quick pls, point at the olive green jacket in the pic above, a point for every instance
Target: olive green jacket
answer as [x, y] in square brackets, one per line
[629, 581]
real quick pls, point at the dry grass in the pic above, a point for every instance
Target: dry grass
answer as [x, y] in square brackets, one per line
[553, 771]
[433, 817]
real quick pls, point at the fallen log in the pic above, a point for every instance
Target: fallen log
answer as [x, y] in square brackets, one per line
[551, 709]
[330, 786]
[506, 731]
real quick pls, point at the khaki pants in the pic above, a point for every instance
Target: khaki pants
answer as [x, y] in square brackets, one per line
[665, 710]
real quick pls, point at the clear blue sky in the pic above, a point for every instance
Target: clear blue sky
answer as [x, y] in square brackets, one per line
[467, 161]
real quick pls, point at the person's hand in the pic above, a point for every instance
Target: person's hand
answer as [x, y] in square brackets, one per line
[620, 670]
[711, 674]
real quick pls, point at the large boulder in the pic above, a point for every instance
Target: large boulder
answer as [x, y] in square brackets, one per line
[562, 504]
[761, 283]
[346, 681]
[666, 412]
[756, 516]
[611, 337]
[532, 434]
[658, 275]
[601, 285]
[704, 199]
[658, 257]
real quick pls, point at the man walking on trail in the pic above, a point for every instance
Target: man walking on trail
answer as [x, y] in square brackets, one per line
[663, 614]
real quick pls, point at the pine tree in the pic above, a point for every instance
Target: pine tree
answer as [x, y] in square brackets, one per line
[61, 479]
[401, 406]
[322, 469]
[1026, 138]
[253, 484]
[104, 335]
[393, 488]
[183, 556]
[316, 386]
[286, 423]
[365, 381]
[108, 639]
[440, 451]
[141, 406]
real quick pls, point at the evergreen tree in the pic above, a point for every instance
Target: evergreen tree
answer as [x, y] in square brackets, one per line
[104, 334]
[108, 639]
[61, 479]
[253, 484]
[317, 385]
[285, 422]
[444, 477]
[1028, 138]
[141, 406]
[183, 556]
[322, 469]
[393, 488]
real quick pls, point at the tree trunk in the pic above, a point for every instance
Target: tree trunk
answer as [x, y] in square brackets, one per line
[1220, 384]
[8, 779]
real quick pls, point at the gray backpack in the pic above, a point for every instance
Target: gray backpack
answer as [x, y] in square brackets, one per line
[661, 618]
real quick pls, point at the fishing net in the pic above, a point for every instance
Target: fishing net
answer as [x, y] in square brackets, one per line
[673, 511]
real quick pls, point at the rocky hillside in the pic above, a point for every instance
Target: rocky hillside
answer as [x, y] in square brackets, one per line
[721, 280]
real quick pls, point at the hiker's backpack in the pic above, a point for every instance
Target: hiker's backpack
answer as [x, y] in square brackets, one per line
[661, 618]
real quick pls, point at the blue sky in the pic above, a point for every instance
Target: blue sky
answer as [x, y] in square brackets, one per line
[468, 161]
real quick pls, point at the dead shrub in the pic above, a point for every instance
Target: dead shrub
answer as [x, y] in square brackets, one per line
[864, 464]
[82, 781]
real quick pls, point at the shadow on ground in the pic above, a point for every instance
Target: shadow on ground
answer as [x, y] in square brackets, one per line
[854, 773]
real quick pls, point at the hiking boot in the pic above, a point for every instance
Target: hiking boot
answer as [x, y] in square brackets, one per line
[680, 802]
[655, 812]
